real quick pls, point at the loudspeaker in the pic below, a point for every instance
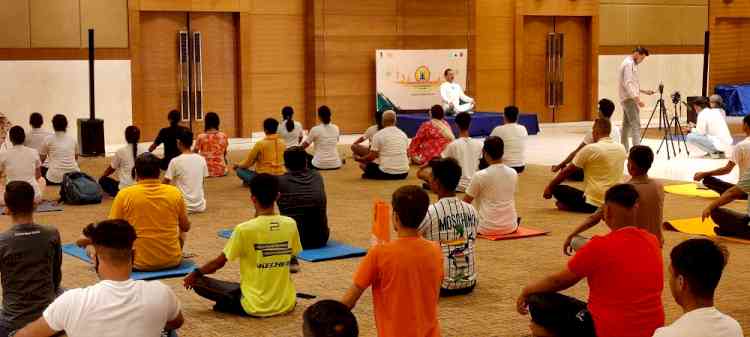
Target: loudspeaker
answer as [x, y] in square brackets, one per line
[692, 115]
[91, 137]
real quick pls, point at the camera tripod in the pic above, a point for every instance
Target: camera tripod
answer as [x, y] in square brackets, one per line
[672, 130]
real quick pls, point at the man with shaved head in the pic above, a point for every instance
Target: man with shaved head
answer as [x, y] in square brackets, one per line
[387, 159]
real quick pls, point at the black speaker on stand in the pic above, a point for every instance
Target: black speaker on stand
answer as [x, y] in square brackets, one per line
[91, 130]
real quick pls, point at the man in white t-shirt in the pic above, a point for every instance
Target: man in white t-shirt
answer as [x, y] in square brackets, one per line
[514, 137]
[465, 150]
[711, 133]
[325, 136]
[117, 305]
[606, 109]
[453, 96]
[21, 163]
[695, 271]
[36, 136]
[493, 192]
[360, 151]
[387, 159]
[187, 171]
[740, 158]
[61, 150]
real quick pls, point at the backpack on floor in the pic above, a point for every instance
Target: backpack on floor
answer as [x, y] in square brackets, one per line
[79, 188]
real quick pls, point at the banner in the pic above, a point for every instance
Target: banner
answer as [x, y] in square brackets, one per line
[411, 79]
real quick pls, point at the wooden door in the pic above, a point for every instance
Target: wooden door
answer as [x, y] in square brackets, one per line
[532, 95]
[576, 68]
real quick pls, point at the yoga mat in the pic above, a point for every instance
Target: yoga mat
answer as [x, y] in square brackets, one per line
[44, 206]
[692, 226]
[332, 251]
[183, 269]
[690, 190]
[522, 232]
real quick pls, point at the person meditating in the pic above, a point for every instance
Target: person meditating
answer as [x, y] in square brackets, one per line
[359, 150]
[431, 138]
[453, 96]
[266, 156]
[212, 144]
[387, 158]
[740, 158]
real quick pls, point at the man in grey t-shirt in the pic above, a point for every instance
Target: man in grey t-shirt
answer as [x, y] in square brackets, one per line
[30, 261]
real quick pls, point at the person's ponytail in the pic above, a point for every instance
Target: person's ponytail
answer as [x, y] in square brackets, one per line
[133, 136]
[286, 114]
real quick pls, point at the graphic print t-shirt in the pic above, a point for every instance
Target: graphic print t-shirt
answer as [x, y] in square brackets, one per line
[453, 224]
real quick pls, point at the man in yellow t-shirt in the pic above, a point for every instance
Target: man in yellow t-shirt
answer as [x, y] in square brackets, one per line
[603, 163]
[265, 247]
[158, 214]
[267, 156]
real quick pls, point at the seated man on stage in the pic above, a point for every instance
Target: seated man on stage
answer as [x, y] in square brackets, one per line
[729, 222]
[606, 109]
[454, 98]
[387, 159]
[602, 163]
[740, 157]
[710, 133]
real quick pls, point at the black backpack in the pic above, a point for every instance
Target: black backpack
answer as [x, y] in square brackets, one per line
[79, 188]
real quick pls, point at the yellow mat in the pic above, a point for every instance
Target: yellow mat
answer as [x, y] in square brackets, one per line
[698, 227]
[690, 190]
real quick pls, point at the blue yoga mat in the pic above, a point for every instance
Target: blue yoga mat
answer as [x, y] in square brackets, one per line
[44, 206]
[183, 269]
[332, 251]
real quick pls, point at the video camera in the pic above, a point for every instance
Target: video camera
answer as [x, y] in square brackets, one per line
[676, 97]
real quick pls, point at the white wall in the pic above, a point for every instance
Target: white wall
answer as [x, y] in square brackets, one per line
[681, 73]
[52, 87]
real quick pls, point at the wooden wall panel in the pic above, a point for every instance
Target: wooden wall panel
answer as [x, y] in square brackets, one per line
[729, 24]
[493, 54]
[283, 7]
[109, 18]
[14, 24]
[653, 22]
[559, 7]
[370, 8]
[55, 23]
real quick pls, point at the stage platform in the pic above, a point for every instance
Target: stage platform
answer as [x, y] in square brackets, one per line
[482, 123]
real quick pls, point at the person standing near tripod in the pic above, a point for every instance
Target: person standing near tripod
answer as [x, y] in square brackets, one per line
[630, 90]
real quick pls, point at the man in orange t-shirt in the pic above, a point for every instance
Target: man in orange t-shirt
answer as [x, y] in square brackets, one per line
[405, 274]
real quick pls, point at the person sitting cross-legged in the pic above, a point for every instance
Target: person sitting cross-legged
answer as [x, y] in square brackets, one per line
[625, 277]
[695, 271]
[405, 274]
[432, 137]
[493, 192]
[711, 133]
[117, 305]
[514, 136]
[21, 163]
[61, 150]
[265, 247]
[387, 159]
[740, 158]
[158, 214]
[123, 163]
[650, 201]
[267, 155]
[465, 150]
[188, 172]
[30, 261]
[329, 318]
[602, 163]
[302, 197]
[731, 222]
[452, 223]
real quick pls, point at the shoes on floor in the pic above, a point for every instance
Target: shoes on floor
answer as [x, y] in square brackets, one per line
[718, 155]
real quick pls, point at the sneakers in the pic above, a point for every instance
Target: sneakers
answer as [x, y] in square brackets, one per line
[718, 155]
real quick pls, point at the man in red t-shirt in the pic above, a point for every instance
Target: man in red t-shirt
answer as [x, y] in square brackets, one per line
[625, 277]
[405, 274]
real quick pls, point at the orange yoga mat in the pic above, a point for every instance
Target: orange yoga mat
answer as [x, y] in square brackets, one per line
[522, 232]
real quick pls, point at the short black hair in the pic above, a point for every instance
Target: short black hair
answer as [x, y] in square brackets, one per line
[463, 120]
[59, 122]
[410, 203]
[642, 156]
[324, 113]
[295, 158]
[212, 121]
[606, 107]
[701, 262]
[624, 195]
[511, 113]
[185, 136]
[113, 239]
[19, 197]
[174, 117]
[270, 125]
[265, 188]
[36, 120]
[445, 72]
[17, 135]
[447, 172]
[494, 147]
[641, 50]
[330, 318]
[701, 102]
[746, 120]
[604, 125]
[147, 166]
[437, 112]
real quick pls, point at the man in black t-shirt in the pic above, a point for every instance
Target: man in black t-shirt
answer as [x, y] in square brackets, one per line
[168, 137]
[30, 261]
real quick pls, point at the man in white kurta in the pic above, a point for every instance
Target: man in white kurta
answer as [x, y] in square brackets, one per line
[453, 95]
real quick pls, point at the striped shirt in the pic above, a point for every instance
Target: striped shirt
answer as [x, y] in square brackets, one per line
[453, 224]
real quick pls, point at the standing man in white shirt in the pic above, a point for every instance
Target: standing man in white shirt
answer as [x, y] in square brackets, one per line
[697, 265]
[630, 91]
[117, 305]
[387, 159]
[740, 157]
[188, 171]
[711, 133]
[452, 95]
[514, 136]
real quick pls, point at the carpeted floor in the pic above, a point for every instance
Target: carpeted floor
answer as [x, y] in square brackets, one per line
[505, 266]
